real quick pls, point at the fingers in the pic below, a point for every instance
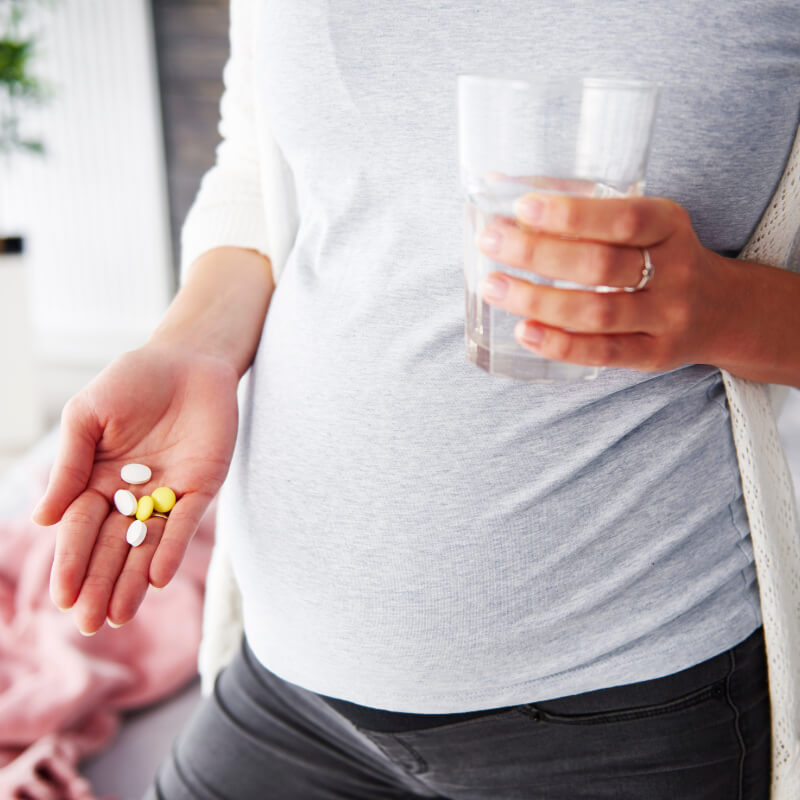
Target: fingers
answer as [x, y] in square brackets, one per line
[64, 775]
[629, 221]
[587, 312]
[584, 243]
[75, 541]
[181, 526]
[632, 350]
[54, 779]
[80, 431]
[99, 575]
[584, 262]
[132, 583]
[57, 779]
[158, 558]
[37, 789]
[105, 571]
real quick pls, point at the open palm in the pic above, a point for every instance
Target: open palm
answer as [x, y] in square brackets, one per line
[175, 412]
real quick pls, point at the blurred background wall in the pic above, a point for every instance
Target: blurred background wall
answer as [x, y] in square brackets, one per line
[128, 131]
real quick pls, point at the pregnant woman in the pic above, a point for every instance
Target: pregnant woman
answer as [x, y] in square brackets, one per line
[454, 585]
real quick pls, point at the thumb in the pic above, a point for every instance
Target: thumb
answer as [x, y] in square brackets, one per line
[78, 437]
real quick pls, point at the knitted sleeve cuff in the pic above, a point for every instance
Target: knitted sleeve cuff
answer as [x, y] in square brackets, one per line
[229, 207]
[241, 224]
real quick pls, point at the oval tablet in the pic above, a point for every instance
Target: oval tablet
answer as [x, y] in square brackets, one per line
[164, 499]
[135, 473]
[125, 502]
[144, 508]
[137, 530]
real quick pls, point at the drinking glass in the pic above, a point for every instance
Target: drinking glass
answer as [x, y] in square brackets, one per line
[579, 136]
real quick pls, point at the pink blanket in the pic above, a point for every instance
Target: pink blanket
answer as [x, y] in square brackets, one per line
[61, 692]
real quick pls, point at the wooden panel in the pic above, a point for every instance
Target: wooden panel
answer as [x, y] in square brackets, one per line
[192, 47]
[188, 59]
[201, 19]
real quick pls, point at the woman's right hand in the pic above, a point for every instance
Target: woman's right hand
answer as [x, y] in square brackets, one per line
[174, 411]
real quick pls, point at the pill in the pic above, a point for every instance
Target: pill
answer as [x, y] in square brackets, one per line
[135, 473]
[144, 508]
[163, 498]
[137, 530]
[125, 502]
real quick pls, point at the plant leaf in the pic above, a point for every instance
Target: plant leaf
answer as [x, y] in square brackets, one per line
[32, 146]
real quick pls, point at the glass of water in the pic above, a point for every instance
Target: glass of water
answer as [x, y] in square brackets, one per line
[581, 136]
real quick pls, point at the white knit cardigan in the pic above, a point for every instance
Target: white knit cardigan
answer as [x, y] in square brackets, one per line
[247, 200]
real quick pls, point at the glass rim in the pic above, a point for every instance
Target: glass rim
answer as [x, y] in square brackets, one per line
[517, 83]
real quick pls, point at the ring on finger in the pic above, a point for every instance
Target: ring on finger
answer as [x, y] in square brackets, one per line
[647, 272]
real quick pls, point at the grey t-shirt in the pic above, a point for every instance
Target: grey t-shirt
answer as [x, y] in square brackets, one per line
[409, 532]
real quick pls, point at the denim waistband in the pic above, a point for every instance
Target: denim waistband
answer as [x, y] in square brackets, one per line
[644, 693]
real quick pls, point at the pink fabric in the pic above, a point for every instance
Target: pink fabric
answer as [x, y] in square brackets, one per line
[55, 681]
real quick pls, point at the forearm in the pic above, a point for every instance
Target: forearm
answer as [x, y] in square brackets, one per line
[761, 339]
[221, 307]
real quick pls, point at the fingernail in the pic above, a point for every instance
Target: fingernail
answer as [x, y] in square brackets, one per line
[493, 288]
[529, 209]
[84, 633]
[35, 512]
[489, 240]
[530, 334]
[60, 607]
[113, 624]
[157, 588]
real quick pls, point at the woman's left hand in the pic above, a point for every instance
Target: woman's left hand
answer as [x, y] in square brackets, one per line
[677, 318]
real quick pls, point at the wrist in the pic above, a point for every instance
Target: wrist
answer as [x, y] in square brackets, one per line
[757, 337]
[728, 312]
[219, 312]
[178, 346]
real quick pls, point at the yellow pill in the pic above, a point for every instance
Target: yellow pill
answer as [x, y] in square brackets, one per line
[144, 508]
[164, 499]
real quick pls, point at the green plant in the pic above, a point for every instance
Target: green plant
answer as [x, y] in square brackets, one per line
[19, 87]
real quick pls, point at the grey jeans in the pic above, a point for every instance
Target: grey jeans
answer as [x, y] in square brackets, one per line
[700, 733]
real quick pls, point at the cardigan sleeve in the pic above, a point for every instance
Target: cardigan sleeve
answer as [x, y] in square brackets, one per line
[229, 206]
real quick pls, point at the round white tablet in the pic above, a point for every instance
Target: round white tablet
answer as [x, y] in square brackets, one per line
[125, 502]
[135, 473]
[137, 530]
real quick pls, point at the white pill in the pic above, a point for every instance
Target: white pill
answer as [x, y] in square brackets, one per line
[137, 530]
[135, 473]
[125, 502]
